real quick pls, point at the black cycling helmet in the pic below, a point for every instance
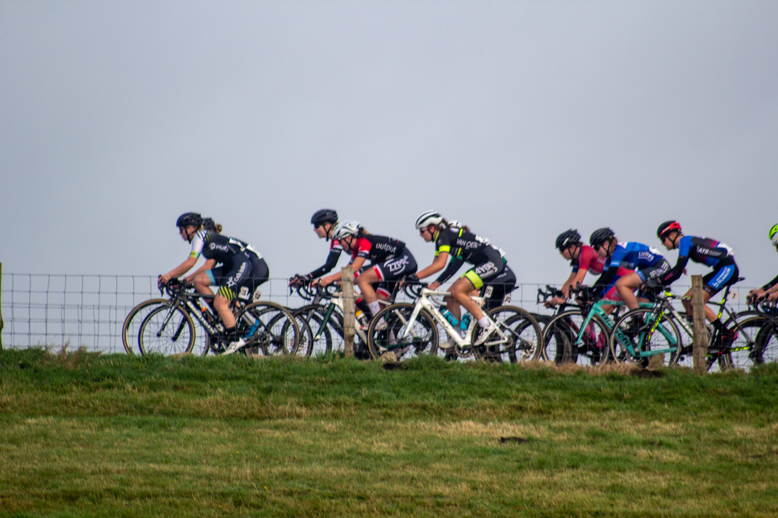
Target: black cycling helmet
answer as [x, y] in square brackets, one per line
[600, 236]
[666, 227]
[189, 218]
[567, 238]
[324, 216]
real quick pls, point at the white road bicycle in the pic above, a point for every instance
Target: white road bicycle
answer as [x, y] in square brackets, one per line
[410, 330]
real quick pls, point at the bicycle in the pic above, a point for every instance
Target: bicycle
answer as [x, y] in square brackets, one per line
[410, 329]
[660, 326]
[168, 328]
[581, 335]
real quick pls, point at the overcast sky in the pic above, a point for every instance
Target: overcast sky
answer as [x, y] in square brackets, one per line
[521, 119]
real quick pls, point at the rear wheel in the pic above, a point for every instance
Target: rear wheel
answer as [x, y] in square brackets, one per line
[390, 331]
[168, 331]
[568, 342]
[756, 342]
[521, 340]
[268, 329]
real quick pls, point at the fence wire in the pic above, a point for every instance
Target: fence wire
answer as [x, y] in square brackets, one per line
[42, 310]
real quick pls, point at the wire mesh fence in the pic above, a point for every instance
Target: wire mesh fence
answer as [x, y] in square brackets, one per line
[89, 310]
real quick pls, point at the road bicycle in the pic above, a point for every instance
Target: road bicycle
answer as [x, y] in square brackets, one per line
[662, 329]
[411, 329]
[580, 335]
[167, 325]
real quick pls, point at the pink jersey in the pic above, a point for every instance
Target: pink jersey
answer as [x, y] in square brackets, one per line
[588, 260]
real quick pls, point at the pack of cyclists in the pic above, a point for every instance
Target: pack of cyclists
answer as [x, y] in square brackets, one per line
[381, 263]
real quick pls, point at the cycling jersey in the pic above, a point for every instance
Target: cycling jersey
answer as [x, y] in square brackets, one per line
[242, 267]
[332, 259]
[217, 247]
[588, 260]
[463, 247]
[630, 256]
[376, 249]
[700, 250]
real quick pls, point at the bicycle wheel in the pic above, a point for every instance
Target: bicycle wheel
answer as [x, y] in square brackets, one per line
[559, 335]
[390, 331]
[523, 339]
[305, 347]
[638, 338]
[268, 329]
[167, 330]
[321, 339]
[133, 321]
[566, 342]
[756, 342]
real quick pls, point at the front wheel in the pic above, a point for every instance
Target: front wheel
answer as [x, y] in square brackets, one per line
[567, 340]
[168, 331]
[391, 331]
[136, 316]
[756, 341]
[646, 337]
[521, 339]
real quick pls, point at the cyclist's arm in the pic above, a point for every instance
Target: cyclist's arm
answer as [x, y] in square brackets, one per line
[356, 264]
[675, 273]
[771, 286]
[330, 263]
[179, 270]
[574, 279]
[438, 264]
[450, 270]
[207, 266]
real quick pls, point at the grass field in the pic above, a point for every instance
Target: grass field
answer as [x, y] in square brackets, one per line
[117, 435]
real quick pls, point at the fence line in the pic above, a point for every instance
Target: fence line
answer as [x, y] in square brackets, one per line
[89, 310]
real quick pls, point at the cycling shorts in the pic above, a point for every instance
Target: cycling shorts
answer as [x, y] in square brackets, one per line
[655, 271]
[260, 273]
[486, 271]
[236, 280]
[722, 275]
[392, 270]
[497, 292]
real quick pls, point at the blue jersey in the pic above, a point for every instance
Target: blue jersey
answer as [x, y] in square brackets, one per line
[703, 250]
[634, 256]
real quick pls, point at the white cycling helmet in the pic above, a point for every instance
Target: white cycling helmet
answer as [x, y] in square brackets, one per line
[430, 217]
[347, 228]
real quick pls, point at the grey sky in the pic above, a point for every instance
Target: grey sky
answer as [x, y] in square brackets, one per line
[521, 119]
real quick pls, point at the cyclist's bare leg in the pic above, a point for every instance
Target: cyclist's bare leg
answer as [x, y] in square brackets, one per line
[222, 306]
[365, 281]
[460, 294]
[687, 304]
[626, 287]
[202, 284]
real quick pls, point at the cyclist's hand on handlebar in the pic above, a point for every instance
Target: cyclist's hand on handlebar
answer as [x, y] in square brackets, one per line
[554, 302]
[435, 285]
[162, 280]
[409, 279]
[299, 280]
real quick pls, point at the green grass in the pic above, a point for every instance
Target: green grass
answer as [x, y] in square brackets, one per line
[89, 435]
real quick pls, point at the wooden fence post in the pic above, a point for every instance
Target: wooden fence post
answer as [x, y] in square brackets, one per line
[349, 318]
[700, 344]
[1, 307]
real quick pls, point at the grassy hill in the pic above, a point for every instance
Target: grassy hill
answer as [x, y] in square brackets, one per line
[116, 435]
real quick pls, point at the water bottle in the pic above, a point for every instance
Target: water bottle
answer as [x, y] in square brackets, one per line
[451, 318]
[465, 323]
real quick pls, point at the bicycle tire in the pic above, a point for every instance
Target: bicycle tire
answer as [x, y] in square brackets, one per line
[561, 345]
[276, 331]
[133, 321]
[311, 317]
[167, 331]
[665, 335]
[382, 339]
[756, 338]
[525, 338]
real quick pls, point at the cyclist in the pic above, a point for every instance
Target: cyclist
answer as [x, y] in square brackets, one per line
[769, 290]
[242, 270]
[463, 246]
[389, 261]
[582, 258]
[705, 251]
[324, 222]
[646, 263]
